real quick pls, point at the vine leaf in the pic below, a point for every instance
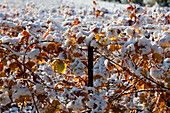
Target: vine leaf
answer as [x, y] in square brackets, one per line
[130, 8]
[94, 3]
[14, 66]
[157, 57]
[25, 33]
[59, 65]
[98, 37]
[30, 64]
[1, 67]
[97, 13]
[2, 74]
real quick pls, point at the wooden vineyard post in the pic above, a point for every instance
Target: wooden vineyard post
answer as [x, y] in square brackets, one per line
[90, 70]
[90, 66]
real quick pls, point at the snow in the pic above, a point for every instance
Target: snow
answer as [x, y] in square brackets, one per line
[79, 34]
[49, 37]
[166, 63]
[78, 67]
[39, 89]
[4, 99]
[7, 39]
[128, 31]
[89, 38]
[62, 56]
[130, 47]
[33, 53]
[100, 69]
[21, 92]
[54, 20]
[94, 43]
[156, 74]
[165, 40]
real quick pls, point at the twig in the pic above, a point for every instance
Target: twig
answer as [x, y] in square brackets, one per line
[34, 103]
[32, 94]
[125, 90]
[124, 68]
[145, 90]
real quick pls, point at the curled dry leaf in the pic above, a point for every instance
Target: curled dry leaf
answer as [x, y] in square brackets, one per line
[25, 33]
[130, 8]
[1, 67]
[94, 3]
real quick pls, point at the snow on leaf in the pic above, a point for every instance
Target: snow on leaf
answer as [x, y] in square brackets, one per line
[155, 73]
[33, 53]
[4, 99]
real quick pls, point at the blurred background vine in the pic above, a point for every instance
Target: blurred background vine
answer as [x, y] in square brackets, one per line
[144, 2]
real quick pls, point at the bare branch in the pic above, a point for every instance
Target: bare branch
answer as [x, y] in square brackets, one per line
[125, 69]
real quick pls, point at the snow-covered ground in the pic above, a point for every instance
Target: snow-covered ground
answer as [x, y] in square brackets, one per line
[54, 3]
[79, 7]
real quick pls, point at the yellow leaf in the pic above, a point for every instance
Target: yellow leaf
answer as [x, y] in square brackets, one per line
[40, 61]
[138, 31]
[121, 35]
[104, 41]
[72, 42]
[114, 47]
[100, 90]
[143, 86]
[59, 65]
[55, 102]
[97, 13]
[77, 78]
[112, 38]
[2, 74]
[97, 37]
